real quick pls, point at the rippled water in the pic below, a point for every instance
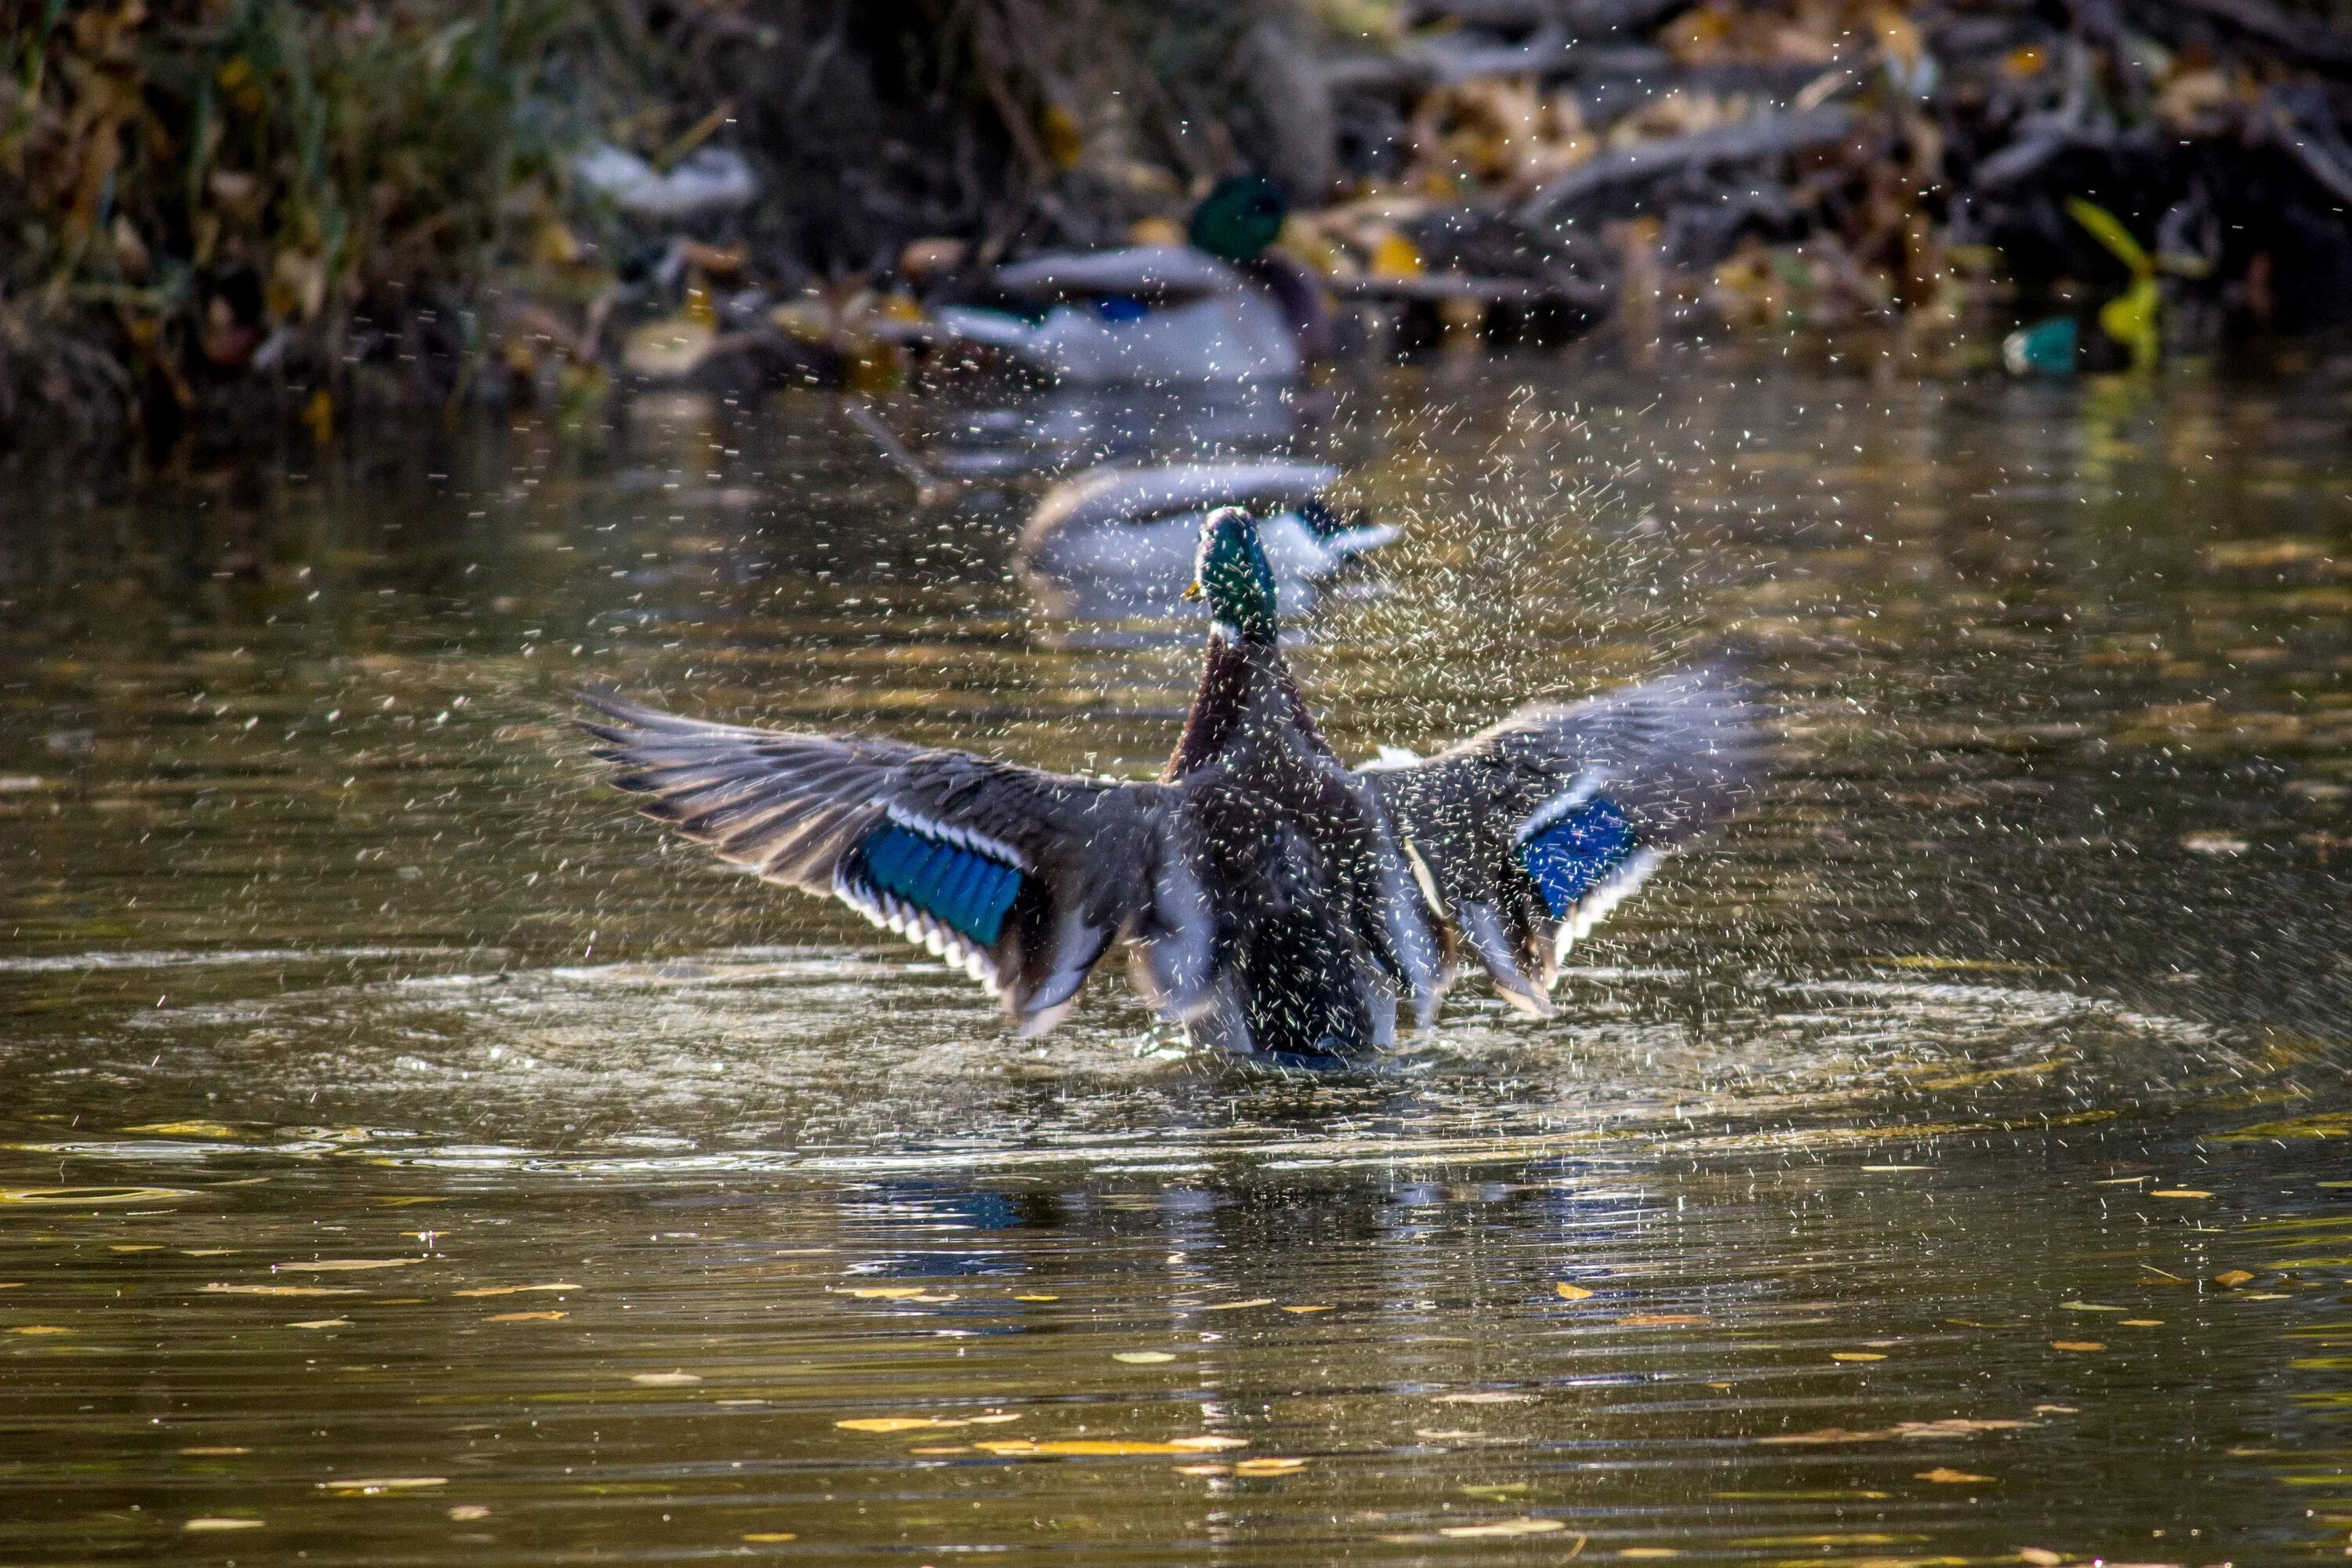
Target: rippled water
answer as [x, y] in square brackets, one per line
[411, 1157]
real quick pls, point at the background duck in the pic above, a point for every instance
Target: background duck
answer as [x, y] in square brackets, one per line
[1275, 901]
[1121, 539]
[1219, 309]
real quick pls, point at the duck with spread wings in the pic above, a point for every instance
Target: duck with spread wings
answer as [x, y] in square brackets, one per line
[1276, 902]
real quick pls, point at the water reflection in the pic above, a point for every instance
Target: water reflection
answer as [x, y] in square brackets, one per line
[408, 1159]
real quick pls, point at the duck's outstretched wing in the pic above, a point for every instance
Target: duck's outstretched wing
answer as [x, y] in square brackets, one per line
[1020, 877]
[1526, 835]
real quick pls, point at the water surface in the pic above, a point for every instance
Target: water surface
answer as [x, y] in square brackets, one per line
[411, 1157]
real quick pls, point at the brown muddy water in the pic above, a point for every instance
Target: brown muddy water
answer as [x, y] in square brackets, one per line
[410, 1157]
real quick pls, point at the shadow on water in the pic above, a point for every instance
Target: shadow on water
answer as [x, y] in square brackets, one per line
[410, 1157]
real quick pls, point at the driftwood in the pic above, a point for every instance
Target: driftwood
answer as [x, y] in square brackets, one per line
[1751, 141]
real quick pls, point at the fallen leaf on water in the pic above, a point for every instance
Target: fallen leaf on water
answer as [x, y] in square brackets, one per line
[284, 1290]
[996, 1419]
[2179, 1192]
[466, 1512]
[765, 1537]
[663, 1379]
[213, 1523]
[187, 1128]
[1438, 1433]
[515, 1290]
[1109, 1447]
[214, 1452]
[525, 1317]
[41, 1328]
[1952, 1426]
[2076, 1345]
[886, 1424]
[345, 1265]
[2233, 1278]
[2056, 1410]
[882, 1293]
[1569, 1292]
[376, 1486]
[1268, 1467]
[1141, 1358]
[210, 1251]
[1656, 1319]
[2040, 1557]
[2090, 1306]
[1502, 1527]
[1317, 1308]
[938, 1448]
[1484, 1396]
[1645, 1552]
[1237, 1306]
[1857, 1355]
[1036, 1297]
[136, 1247]
[322, 1323]
[1947, 1475]
[1204, 1469]
[2142, 1322]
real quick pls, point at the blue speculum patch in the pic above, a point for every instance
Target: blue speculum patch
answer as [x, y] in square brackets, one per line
[1576, 853]
[963, 889]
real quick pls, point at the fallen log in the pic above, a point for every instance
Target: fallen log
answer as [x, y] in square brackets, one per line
[1753, 140]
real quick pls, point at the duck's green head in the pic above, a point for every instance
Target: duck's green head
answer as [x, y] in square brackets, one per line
[1239, 218]
[1231, 574]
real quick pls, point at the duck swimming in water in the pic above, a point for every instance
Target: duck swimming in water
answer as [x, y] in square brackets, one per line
[1276, 902]
[1121, 539]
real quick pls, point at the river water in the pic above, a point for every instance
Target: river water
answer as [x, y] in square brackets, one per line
[409, 1156]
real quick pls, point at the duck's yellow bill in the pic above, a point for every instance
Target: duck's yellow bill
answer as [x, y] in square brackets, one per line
[1193, 589]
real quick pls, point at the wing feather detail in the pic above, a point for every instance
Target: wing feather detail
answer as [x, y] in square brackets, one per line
[1531, 832]
[1020, 878]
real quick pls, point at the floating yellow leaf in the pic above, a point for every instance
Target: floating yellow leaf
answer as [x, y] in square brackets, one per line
[1569, 1292]
[2076, 1345]
[136, 1247]
[210, 1251]
[2090, 1306]
[1141, 1358]
[516, 1289]
[1204, 1469]
[663, 1379]
[1312, 1309]
[1645, 1552]
[1502, 1528]
[2142, 1322]
[2040, 1556]
[40, 1329]
[767, 1536]
[1857, 1355]
[997, 1419]
[345, 1265]
[188, 1129]
[1107, 1448]
[378, 1485]
[525, 1317]
[218, 1522]
[1945, 1474]
[1484, 1396]
[75, 1197]
[284, 1290]
[214, 1452]
[887, 1424]
[466, 1512]
[883, 1292]
[1268, 1467]
[322, 1323]
[1036, 1297]
[2179, 1192]
[937, 1448]
[2233, 1278]
[1237, 1306]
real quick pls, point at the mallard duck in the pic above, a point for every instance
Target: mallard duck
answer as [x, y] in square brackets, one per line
[1275, 901]
[1218, 309]
[1124, 536]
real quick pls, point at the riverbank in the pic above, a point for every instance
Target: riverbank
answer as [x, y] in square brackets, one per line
[224, 214]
